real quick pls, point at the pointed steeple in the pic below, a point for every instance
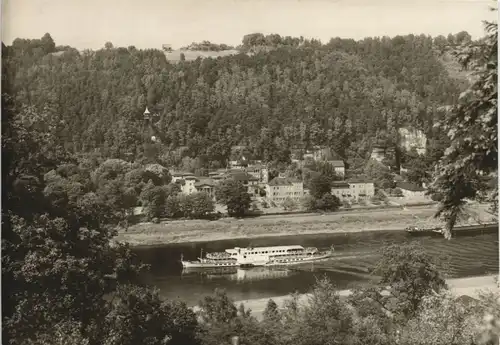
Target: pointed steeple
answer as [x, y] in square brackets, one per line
[147, 114]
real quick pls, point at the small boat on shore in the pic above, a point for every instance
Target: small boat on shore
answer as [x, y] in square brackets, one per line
[416, 231]
[259, 256]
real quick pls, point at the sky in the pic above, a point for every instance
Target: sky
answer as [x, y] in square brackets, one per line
[88, 24]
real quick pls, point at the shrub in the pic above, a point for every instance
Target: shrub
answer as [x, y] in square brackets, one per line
[397, 192]
[308, 203]
[346, 204]
[328, 202]
[289, 204]
[201, 204]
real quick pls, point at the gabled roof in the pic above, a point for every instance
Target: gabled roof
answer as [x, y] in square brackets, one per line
[205, 182]
[340, 184]
[281, 181]
[181, 173]
[359, 179]
[409, 186]
[242, 176]
[337, 164]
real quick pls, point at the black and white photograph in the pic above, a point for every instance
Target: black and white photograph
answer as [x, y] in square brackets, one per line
[250, 172]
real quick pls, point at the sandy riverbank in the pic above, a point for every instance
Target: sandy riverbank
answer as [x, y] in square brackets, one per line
[461, 286]
[149, 234]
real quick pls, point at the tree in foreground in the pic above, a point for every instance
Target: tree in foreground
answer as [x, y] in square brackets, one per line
[220, 321]
[137, 315]
[234, 195]
[441, 319]
[58, 259]
[472, 128]
[407, 274]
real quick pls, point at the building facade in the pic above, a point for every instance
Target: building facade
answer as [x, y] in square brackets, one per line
[361, 188]
[354, 189]
[180, 175]
[249, 181]
[206, 185]
[378, 153]
[341, 190]
[259, 171]
[279, 189]
[339, 167]
[188, 185]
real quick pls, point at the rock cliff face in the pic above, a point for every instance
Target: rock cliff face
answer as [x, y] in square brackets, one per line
[412, 138]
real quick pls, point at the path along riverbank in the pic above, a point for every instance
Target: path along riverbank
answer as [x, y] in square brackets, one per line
[188, 231]
[471, 286]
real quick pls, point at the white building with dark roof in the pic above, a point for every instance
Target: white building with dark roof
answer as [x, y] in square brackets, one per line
[259, 171]
[206, 185]
[180, 175]
[353, 189]
[279, 189]
[361, 187]
[249, 181]
[339, 167]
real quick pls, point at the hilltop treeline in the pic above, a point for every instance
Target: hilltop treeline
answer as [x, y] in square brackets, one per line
[344, 94]
[207, 46]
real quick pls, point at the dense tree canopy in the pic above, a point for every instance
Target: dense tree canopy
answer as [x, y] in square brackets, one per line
[471, 126]
[344, 94]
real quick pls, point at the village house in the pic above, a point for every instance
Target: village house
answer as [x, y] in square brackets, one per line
[326, 155]
[353, 189]
[339, 167]
[411, 190]
[259, 171]
[191, 184]
[206, 185]
[378, 153]
[217, 175]
[279, 189]
[361, 188]
[180, 175]
[249, 181]
[187, 184]
[341, 190]
[238, 164]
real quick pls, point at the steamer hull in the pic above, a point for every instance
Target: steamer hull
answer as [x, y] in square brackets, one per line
[259, 256]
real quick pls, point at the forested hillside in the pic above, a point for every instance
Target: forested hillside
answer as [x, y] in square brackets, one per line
[345, 94]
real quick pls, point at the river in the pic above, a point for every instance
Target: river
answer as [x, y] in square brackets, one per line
[467, 254]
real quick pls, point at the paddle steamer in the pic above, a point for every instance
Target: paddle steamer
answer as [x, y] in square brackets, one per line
[259, 256]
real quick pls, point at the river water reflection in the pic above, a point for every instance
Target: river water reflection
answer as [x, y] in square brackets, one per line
[356, 253]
